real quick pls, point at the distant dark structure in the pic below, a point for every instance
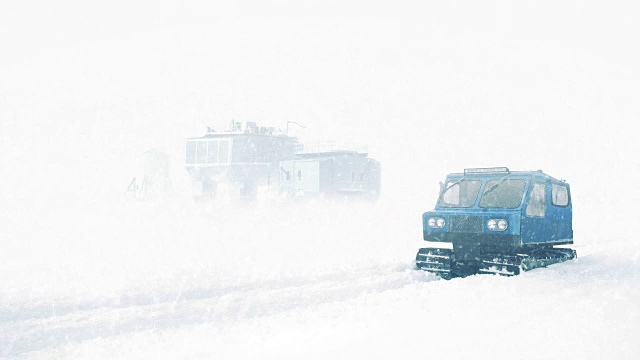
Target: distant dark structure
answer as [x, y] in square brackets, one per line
[240, 161]
[247, 161]
[328, 172]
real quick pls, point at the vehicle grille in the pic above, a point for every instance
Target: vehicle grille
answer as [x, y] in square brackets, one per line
[465, 224]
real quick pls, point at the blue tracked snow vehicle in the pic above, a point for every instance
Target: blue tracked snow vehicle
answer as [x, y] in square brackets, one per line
[499, 222]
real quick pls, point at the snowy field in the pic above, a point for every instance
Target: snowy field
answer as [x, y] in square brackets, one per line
[156, 280]
[87, 273]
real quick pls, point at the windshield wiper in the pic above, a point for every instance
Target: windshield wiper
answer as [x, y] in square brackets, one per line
[494, 186]
[452, 185]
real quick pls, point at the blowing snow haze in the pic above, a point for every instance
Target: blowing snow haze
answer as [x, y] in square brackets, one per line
[87, 89]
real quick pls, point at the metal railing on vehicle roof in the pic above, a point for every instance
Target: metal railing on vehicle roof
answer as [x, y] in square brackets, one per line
[490, 170]
[332, 147]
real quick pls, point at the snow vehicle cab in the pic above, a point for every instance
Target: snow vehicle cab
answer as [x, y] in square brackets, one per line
[240, 162]
[497, 221]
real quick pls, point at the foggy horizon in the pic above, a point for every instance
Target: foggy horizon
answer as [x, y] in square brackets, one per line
[429, 88]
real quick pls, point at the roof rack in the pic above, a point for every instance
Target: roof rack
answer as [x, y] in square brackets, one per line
[490, 170]
[332, 148]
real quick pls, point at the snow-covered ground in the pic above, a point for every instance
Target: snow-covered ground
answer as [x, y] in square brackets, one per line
[85, 90]
[157, 280]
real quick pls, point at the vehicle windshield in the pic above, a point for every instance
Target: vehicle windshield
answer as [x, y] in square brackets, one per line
[503, 193]
[460, 193]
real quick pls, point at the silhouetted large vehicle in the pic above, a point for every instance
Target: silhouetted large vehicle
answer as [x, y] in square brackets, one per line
[251, 160]
[240, 161]
[497, 221]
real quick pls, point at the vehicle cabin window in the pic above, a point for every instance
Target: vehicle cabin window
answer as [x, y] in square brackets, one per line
[559, 195]
[452, 195]
[201, 152]
[461, 194]
[191, 152]
[537, 206]
[223, 152]
[212, 152]
[208, 151]
[503, 193]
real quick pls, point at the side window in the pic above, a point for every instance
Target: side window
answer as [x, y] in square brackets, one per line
[223, 151]
[537, 206]
[559, 195]
[201, 152]
[212, 151]
[191, 152]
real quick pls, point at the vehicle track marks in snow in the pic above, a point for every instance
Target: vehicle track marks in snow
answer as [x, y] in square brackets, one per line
[37, 329]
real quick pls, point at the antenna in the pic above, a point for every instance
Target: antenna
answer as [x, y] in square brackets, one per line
[292, 122]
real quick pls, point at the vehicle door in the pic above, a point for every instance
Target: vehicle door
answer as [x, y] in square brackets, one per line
[535, 225]
[559, 211]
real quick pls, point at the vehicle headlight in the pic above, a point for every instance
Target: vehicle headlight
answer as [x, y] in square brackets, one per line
[436, 222]
[502, 225]
[497, 224]
[492, 225]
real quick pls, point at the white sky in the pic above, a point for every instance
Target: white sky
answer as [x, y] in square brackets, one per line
[431, 88]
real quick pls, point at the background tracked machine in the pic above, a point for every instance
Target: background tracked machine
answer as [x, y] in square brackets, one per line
[498, 222]
[247, 161]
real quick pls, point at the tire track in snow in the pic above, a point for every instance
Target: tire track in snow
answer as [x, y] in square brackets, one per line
[36, 330]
